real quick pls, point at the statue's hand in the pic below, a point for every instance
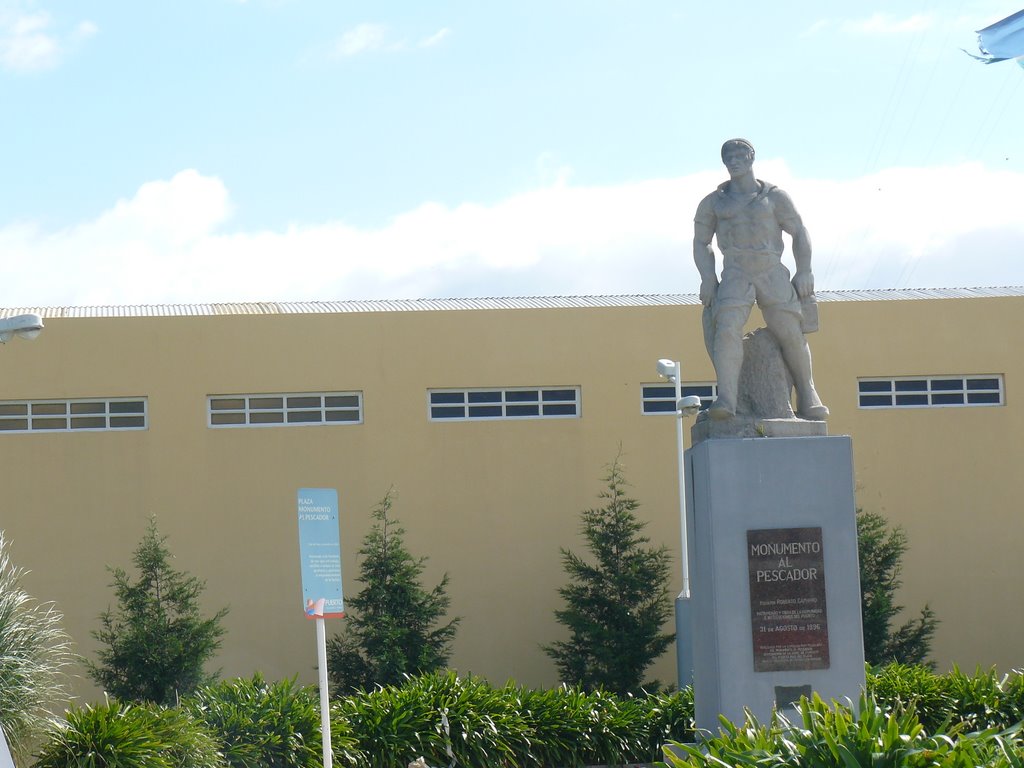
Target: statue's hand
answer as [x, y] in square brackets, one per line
[708, 289]
[803, 282]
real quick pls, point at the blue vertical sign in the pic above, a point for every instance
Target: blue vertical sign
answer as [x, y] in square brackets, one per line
[320, 553]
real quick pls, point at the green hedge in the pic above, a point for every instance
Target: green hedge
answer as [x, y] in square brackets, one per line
[441, 717]
[120, 735]
[244, 723]
[249, 723]
[834, 735]
[268, 724]
[983, 700]
[909, 716]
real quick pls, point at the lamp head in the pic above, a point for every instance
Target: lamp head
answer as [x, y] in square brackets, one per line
[23, 326]
[688, 405]
[668, 369]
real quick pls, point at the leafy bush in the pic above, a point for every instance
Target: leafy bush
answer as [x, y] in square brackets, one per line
[836, 736]
[561, 725]
[912, 688]
[909, 717]
[124, 735]
[34, 652]
[157, 643]
[669, 718]
[442, 717]
[972, 702]
[557, 731]
[392, 632]
[986, 699]
[571, 727]
[436, 716]
[480, 723]
[616, 605]
[261, 724]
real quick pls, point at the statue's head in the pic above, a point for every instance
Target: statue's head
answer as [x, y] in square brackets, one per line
[740, 144]
[737, 156]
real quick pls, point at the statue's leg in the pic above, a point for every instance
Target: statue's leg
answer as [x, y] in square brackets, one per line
[728, 358]
[797, 354]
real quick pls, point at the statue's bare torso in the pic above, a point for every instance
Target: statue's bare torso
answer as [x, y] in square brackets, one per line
[748, 226]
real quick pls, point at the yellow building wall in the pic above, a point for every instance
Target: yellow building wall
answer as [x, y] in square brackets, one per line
[950, 476]
[490, 503]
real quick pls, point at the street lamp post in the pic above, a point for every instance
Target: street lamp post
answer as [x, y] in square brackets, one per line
[685, 406]
[24, 327]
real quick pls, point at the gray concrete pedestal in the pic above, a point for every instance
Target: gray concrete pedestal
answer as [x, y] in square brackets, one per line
[775, 582]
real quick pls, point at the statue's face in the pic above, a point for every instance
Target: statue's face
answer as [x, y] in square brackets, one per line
[738, 160]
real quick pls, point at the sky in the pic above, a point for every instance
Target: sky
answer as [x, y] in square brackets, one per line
[317, 150]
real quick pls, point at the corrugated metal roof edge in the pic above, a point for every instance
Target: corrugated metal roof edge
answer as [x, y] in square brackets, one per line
[491, 303]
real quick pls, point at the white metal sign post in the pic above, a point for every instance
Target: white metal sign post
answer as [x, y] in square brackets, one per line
[320, 559]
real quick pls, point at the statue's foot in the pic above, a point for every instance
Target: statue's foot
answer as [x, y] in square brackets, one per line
[813, 412]
[722, 409]
[809, 405]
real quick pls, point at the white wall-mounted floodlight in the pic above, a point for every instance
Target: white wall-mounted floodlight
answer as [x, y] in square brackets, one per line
[22, 326]
[689, 405]
[668, 369]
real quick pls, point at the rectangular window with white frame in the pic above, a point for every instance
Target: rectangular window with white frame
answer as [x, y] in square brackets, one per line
[660, 398]
[294, 409]
[109, 414]
[931, 391]
[503, 403]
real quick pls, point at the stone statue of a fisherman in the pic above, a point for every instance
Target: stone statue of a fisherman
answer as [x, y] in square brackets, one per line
[747, 217]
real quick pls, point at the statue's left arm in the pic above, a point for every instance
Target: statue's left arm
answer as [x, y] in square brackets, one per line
[793, 225]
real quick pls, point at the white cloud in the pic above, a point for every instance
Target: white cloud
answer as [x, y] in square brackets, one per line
[362, 38]
[908, 227]
[370, 38]
[434, 39]
[26, 44]
[818, 26]
[177, 212]
[902, 227]
[84, 31]
[29, 41]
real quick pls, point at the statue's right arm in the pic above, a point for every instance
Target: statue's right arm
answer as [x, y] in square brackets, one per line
[703, 254]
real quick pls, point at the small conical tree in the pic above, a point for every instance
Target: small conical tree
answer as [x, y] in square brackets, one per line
[881, 551]
[617, 603]
[392, 623]
[157, 642]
